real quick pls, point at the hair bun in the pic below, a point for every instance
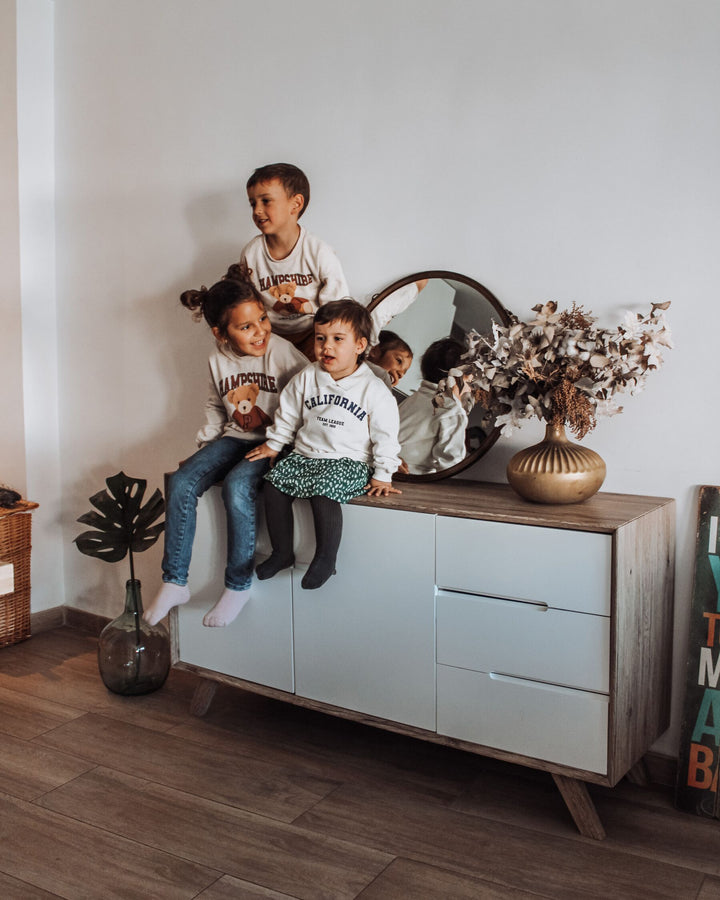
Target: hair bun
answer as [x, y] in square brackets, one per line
[238, 271]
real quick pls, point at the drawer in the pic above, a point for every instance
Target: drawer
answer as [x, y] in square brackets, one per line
[507, 637]
[563, 569]
[542, 721]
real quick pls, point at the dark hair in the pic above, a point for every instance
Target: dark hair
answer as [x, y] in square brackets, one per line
[439, 357]
[216, 303]
[388, 340]
[349, 311]
[294, 180]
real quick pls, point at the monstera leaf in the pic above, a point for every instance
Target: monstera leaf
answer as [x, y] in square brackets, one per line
[123, 525]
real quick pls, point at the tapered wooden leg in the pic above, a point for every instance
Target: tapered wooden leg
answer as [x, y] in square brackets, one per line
[582, 809]
[202, 698]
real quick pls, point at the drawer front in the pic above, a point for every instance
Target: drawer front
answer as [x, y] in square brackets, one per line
[563, 569]
[506, 637]
[542, 721]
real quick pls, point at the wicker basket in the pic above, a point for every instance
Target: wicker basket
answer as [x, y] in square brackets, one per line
[15, 548]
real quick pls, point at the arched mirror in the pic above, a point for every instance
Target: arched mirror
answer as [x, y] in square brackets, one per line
[432, 312]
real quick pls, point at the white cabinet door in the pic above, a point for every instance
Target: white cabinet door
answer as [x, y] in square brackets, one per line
[366, 639]
[257, 646]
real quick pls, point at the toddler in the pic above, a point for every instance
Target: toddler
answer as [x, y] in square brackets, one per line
[433, 438]
[248, 369]
[343, 422]
[294, 271]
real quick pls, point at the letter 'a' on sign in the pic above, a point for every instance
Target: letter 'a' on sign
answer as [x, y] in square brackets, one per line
[699, 757]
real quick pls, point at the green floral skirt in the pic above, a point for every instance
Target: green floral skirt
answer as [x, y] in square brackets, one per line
[339, 479]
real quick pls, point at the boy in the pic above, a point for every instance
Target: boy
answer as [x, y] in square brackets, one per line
[294, 271]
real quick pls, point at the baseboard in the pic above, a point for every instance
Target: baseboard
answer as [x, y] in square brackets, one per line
[661, 769]
[47, 619]
[84, 620]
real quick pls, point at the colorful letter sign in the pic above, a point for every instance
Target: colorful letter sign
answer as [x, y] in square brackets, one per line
[700, 738]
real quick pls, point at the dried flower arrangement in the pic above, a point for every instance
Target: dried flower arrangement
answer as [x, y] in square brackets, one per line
[559, 367]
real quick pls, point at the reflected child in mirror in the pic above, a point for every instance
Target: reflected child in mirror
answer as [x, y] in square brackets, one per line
[343, 423]
[390, 358]
[432, 439]
[248, 368]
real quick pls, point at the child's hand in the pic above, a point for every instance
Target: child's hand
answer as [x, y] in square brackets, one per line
[261, 452]
[380, 488]
[403, 468]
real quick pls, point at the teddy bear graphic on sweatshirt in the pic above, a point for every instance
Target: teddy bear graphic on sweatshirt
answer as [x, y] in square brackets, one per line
[247, 415]
[287, 304]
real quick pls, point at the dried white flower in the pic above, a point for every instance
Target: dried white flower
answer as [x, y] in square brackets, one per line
[559, 367]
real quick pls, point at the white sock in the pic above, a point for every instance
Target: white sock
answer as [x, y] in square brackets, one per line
[168, 596]
[226, 609]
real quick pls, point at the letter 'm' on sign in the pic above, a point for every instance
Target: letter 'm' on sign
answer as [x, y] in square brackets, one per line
[707, 674]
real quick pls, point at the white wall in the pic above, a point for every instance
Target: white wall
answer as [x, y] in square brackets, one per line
[559, 150]
[12, 428]
[36, 191]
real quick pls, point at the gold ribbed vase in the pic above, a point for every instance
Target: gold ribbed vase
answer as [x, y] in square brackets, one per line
[556, 470]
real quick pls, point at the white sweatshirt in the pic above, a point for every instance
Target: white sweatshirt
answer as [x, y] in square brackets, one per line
[394, 304]
[432, 439]
[355, 417]
[244, 390]
[294, 287]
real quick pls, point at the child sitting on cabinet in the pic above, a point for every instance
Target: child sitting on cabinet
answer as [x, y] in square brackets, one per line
[294, 271]
[343, 422]
[248, 368]
[432, 438]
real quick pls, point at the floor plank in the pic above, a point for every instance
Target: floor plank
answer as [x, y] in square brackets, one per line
[229, 888]
[392, 759]
[661, 832]
[88, 863]
[564, 869]
[27, 770]
[406, 878]
[282, 857]
[12, 889]
[710, 889]
[25, 716]
[221, 775]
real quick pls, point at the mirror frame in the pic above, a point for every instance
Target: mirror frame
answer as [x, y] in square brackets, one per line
[505, 319]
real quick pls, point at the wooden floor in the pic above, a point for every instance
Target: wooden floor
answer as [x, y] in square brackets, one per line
[109, 797]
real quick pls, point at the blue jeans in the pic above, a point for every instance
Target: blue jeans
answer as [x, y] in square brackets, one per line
[223, 459]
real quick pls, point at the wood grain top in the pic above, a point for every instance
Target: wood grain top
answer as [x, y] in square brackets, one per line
[605, 512]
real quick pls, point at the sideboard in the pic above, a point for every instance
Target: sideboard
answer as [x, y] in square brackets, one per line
[463, 615]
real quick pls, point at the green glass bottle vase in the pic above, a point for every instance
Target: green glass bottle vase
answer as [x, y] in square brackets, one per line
[133, 657]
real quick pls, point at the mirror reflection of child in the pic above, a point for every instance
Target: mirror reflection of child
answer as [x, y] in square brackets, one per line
[248, 369]
[343, 422]
[295, 271]
[432, 439]
[390, 358]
